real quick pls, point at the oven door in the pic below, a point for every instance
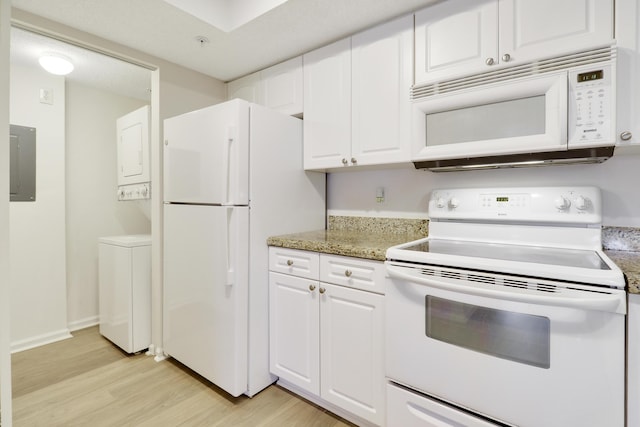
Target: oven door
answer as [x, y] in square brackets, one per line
[521, 356]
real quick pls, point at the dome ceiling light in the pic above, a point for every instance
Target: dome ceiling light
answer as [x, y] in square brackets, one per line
[56, 63]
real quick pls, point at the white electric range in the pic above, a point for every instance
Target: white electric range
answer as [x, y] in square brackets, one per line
[509, 313]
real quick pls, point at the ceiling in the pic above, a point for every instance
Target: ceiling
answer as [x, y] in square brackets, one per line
[162, 30]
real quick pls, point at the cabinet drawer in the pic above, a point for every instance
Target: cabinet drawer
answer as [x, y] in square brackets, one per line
[295, 262]
[355, 273]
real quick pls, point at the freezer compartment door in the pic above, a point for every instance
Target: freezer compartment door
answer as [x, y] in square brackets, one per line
[206, 155]
[205, 306]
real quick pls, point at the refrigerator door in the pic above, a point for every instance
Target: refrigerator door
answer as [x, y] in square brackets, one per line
[206, 155]
[206, 264]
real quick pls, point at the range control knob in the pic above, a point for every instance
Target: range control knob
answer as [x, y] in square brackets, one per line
[581, 203]
[562, 203]
[440, 202]
[454, 202]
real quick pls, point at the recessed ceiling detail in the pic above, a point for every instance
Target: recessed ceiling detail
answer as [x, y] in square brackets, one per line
[226, 15]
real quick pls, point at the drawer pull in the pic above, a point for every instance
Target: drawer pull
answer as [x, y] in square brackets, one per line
[348, 273]
[289, 262]
[312, 288]
[322, 290]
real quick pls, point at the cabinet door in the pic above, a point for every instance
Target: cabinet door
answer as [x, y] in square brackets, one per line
[534, 29]
[633, 355]
[455, 38]
[282, 87]
[352, 377]
[248, 88]
[294, 331]
[382, 60]
[327, 106]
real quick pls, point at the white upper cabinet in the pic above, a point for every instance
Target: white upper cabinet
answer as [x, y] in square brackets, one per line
[327, 106]
[248, 88]
[278, 87]
[381, 67]
[455, 37]
[463, 37]
[282, 87]
[356, 99]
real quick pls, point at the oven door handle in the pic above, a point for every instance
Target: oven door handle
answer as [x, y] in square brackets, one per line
[598, 301]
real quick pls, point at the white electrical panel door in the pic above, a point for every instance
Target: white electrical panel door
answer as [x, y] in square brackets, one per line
[133, 147]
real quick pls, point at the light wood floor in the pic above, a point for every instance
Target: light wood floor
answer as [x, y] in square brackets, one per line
[87, 381]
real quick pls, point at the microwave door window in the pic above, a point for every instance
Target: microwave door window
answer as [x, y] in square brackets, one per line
[499, 120]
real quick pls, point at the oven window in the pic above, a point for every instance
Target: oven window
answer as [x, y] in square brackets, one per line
[522, 338]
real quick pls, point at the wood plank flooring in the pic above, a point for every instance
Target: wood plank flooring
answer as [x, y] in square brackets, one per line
[87, 381]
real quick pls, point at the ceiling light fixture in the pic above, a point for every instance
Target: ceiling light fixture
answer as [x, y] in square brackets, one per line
[56, 63]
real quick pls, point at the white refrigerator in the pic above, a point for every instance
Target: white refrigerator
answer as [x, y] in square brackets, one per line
[233, 176]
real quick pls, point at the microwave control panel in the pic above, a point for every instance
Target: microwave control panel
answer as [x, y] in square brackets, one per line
[591, 110]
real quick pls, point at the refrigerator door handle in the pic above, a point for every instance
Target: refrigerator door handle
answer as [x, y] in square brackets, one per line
[229, 239]
[226, 164]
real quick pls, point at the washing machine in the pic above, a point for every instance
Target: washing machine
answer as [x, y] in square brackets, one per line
[125, 290]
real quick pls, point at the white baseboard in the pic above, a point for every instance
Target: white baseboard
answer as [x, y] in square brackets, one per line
[83, 323]
[39, 340]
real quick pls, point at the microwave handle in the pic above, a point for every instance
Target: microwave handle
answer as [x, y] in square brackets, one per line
[603, 302]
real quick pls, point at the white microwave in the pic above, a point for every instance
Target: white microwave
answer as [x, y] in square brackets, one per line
[559, 116]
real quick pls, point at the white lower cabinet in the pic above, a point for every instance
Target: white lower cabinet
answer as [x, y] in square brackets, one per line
[327, 339]
[633, 361]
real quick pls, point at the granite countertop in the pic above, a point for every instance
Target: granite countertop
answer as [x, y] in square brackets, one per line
[370, 238]
[358, 237]
[629, 263]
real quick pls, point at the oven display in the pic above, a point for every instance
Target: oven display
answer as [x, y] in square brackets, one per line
[591, 75]
[502, 199]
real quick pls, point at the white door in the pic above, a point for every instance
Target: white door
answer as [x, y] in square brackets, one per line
[351, 345]
[205, 303]
[534, 29]
[206, 155]
[382, 73]
[327, 106]
[454, 38]
[133, 147]
[294, 330]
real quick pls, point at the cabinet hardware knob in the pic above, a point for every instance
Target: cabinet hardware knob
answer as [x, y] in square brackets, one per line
[354, 160]
[322, 290]
[348, 273]
[344, 161]
[489, 61]
[289, 262]
[626, 135]
[506, 57]
[312, 288]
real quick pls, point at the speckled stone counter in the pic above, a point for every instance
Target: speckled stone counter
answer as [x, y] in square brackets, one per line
[364, 237]
[622, 245]
[359, 237]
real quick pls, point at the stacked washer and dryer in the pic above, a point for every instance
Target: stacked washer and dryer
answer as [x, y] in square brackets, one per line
[124, 278]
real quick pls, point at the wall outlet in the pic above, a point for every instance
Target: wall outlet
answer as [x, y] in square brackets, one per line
[380, 195]
[46, 96]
